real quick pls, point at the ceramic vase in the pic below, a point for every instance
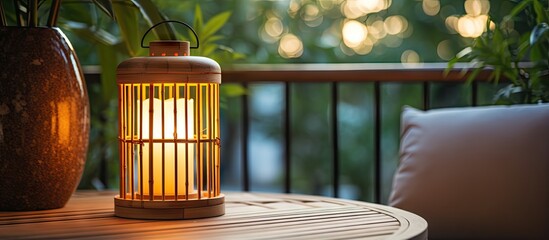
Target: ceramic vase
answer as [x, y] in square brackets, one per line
[44, 119]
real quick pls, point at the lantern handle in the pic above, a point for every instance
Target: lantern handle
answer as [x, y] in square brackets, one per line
[169, 21]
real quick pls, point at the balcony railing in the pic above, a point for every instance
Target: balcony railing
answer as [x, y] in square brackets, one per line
[334, 75]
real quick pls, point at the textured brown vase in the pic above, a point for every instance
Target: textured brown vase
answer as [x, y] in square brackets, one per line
[44, 119]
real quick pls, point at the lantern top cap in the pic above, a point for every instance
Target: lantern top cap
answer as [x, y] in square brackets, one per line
[169, 69]
[164, 48]
[169, 61]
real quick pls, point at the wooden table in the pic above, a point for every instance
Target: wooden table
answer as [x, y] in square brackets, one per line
[248, 216]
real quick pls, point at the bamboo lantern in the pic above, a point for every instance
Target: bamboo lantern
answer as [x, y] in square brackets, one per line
[169, 134]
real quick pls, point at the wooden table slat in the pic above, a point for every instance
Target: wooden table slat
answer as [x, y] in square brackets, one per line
[89, 215]
[117, 225]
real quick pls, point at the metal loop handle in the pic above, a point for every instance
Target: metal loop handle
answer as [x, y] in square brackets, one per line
[169, 21]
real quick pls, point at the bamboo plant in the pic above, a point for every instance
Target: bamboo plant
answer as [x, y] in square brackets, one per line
[520, 55]
[27, 12]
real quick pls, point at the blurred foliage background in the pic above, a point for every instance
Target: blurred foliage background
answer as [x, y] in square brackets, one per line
[287, 31]
[332, 31]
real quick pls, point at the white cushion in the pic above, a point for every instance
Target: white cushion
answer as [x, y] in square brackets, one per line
[477, 172]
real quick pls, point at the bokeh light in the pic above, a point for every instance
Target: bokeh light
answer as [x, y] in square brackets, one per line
[410, 56]
[365, 47]
[431, 7]
[473, 24]
[477, 7]
[290, 46]
[358, 26]
[472, 27]
[377, 30]
[451, 23]
[444, 50]
[395, 24]
[272, 30]
[354, 33]
[353, 9]
[327, 5]
[274, 27]
[294, 7]
[312, 15]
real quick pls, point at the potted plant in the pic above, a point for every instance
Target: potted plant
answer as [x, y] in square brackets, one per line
[44, 116]
[516, 49]
[44, 106]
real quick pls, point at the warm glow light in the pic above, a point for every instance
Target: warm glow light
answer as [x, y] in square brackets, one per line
[312, 15]
[290, 46]
[409, 56]
[294, 7]
[472, 27]
[395, 24]
[274, 27]
[350, 9]
[65, 110]
[169, 134]
[311, 10]
[377, 30]
[354, 33]
[371, 6]
[444, 50]
[353, 9]
[431, 7]
[329, 4]
[365, 47]
[169, 148]
[451, 23]
[473, 24]
[477, 7]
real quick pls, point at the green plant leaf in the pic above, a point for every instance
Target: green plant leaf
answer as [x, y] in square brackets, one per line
[464, 55]
[522, 49]
[227, 51]
[207, 49]
[76, 13]
[508, 95]
[152, 16]
[197, 27]
[109, 63]
[213, 39]
[198, 20]
[518, 8]
[105, 6]
[233, 90]
[473, 75]
[215, 23]
[497, 73]
[127, 17]
[535, 53]
[538, 32]
[540, 12]
[97, 36]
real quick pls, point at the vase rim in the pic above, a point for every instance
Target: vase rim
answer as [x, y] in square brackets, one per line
[27, 27]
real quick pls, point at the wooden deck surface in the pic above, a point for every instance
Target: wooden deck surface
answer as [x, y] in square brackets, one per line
[248, 216]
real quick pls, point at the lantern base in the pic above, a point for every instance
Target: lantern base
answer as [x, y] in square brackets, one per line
[169, 209]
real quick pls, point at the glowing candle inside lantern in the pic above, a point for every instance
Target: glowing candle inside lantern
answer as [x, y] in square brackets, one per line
[169, 147]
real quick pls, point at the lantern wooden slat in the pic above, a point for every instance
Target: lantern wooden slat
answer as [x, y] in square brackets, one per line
[169, 135]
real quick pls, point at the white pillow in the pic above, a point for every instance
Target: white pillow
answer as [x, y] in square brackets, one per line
[478, 172]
